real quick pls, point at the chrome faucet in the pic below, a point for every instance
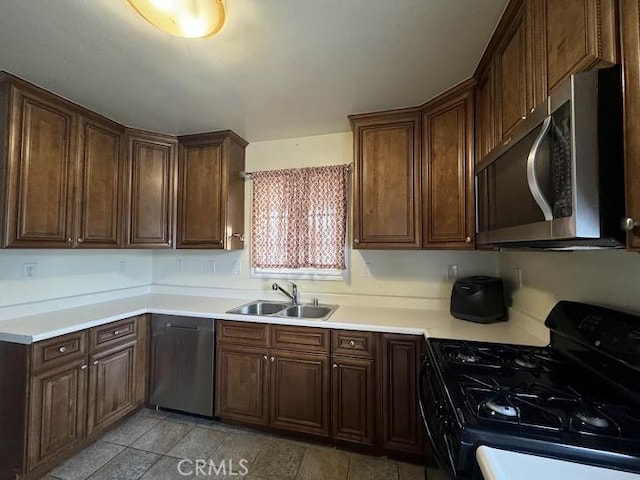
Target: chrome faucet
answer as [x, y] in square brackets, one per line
[293, 295]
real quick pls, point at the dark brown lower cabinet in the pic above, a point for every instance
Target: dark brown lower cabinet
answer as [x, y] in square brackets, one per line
[402, 429]
[300, 392]
[111, 386]
[242, 384]
[59, 394]
[57, 411]
[354, 388]
[354, 400]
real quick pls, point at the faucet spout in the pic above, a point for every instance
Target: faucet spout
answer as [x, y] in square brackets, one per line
[293, 296]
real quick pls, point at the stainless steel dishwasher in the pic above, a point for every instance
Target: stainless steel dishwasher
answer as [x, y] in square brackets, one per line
[182, 360]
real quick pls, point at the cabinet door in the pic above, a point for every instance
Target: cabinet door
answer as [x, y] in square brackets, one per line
[448, 182]
[300, 392]
[57, 411]
[202, 198]
[99, 183]
[150, 199]
[387, 183]
[402, 429]
[40, 171]
[354, 400]
[111, 386]
[512, 74]
[580, 34]
[485, 113]
[242, 384]
[630, 43]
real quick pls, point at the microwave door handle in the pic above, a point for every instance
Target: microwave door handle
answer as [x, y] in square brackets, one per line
[532, 179]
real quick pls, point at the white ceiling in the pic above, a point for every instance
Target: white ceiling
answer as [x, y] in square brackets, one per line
[278, 69]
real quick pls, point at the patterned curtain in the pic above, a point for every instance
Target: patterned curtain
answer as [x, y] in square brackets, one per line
[298, 218]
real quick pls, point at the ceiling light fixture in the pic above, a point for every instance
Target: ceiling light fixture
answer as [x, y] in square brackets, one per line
[183, 18]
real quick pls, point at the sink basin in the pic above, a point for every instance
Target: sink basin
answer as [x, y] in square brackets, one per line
[278, 309]
[307, 311]
[260, 308]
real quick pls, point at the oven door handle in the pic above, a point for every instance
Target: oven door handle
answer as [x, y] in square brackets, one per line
[444, 461]
[532, 179]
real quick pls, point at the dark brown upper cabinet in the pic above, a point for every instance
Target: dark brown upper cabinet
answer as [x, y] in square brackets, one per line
[98, 212]
[150, 189]
[62, 171]
[580, 35]
[485, 113]
[386, 189]
[39, 144]
[211, 191]
[448, 170]
[630, 52]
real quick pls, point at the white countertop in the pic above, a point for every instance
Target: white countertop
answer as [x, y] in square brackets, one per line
[497, 464]
[431, 323]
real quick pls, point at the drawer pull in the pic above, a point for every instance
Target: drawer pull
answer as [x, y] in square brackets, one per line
[62, 349]
[265, 358]
[352, 343]
[83, 367]
[273, 359]
[96, 362]
[335, 365]
[116, 332]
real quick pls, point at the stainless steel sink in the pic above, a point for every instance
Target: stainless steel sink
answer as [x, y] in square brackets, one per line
[265, 308]
[307, 311]
[259, 308]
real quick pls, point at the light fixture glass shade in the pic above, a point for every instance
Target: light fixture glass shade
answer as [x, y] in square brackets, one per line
[183, 18]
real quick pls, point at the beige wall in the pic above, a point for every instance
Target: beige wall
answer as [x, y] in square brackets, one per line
[609, 277]
[399, 273]
[66, 273]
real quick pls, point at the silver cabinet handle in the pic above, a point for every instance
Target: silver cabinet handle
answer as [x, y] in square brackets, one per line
[629, 224]
[69, 240]
[265, 358]
[116, 332]
[335, 365]
[83, 367]
[352, 343]
[356, 241]
[80, 240]
[273, 359]
[237, 235]
[467, 240]
[532, 179]
[95, 362]
[62, 349]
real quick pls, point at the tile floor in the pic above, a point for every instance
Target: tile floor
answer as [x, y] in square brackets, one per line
[150, 446]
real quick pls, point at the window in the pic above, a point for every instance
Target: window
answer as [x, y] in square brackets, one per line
[298, 222]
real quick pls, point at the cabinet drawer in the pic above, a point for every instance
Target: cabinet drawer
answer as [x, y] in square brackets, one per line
[243, 333]
[59, 350]
[113, 333]
[304, 339]
[353, 343]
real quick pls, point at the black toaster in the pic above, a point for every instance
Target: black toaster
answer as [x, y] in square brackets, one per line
[479, 299]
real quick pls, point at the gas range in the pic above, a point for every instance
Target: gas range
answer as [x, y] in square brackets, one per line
[577, 399]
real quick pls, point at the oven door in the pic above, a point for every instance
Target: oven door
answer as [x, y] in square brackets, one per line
[438, 417]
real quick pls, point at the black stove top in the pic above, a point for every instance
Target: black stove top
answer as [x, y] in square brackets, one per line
[576, 399]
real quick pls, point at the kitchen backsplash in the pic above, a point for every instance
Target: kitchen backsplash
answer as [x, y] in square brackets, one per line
[608, 277]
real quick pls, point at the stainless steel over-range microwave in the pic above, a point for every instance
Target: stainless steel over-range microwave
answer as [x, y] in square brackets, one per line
[557, 181]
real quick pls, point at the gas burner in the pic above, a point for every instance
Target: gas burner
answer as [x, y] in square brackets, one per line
[498, 408]
[466, 357]
[527, 362]
[592, 419]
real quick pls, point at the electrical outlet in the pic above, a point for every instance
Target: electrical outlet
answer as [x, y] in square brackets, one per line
[366, 270]
[122, 267]
[29, 271]
[179, 265]
[237, 267]
[452, 273]
[518, 274]
[210, 267]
